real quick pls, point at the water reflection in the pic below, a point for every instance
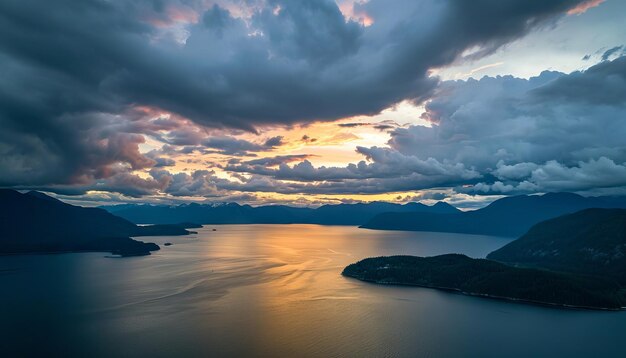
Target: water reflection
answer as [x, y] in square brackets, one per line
[274, 290]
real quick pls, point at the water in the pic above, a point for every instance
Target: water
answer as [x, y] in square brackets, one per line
[275, 290]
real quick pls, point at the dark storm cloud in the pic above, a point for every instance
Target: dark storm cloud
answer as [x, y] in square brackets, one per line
[381, 126]
[500, 135]
[384, 163]
[274, 142]
[233, 146]
[492, 136]
[51, 103]
[74, 71]
[353, 125]
[277, 160]
[159, 160]
[124, 183]
[258, 183]
[183, 137]
[602, 84]
[164, 162]
[554, 132]
[384, 127]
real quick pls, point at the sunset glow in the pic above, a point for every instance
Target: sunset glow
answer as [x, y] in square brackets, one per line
[312, 178]
[265, 102]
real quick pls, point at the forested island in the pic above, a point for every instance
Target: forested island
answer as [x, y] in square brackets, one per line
[486, 278]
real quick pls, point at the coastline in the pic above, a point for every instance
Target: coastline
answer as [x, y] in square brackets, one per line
[493, 297]
[28, 253]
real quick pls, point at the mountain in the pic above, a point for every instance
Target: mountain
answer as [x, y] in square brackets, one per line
[441, 207]
[232, 213]
[510, 216]
[591, 241]
[357, 214]
[486, 278]
[575, 260]
[35, 222]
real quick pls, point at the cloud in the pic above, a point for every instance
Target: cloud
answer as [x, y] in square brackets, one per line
[233, 146]
[554, 132]
[68, 115]
[274, 142]
[385, 163]
[277, 160]
[584, 6]
[581, 87]
[612, 51]
[160, 161]
[64, 154]
[493, 136]
[604, 53]
[384, 171]
[553, 176]
[183, 136]
[381, 126]
[307, 139]
[514, 171]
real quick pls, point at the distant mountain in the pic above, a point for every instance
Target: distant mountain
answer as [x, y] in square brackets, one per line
[357, 214]
[35, 222]
[231, 213]
[510, 216]
[486, 278]
[441, 207]
[591, 241]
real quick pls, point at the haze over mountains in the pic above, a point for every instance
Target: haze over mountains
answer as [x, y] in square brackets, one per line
[232, 213]
[510, 216]
[35, 222]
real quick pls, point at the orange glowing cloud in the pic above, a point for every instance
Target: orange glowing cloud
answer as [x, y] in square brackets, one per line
[182, 14]
[173, 15]
[583, 7]
[354, 13]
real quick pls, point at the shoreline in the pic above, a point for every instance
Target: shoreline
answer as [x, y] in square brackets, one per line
[26, 253]
[482, 295]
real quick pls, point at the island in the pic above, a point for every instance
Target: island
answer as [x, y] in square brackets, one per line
[491, 279]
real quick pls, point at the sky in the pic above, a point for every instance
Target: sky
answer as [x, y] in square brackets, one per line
[309, 102]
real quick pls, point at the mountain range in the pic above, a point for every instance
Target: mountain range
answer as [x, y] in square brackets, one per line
[510, 216]
[34, 222]
[232, 213]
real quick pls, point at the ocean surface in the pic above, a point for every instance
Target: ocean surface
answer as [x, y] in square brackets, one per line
[276, 291]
